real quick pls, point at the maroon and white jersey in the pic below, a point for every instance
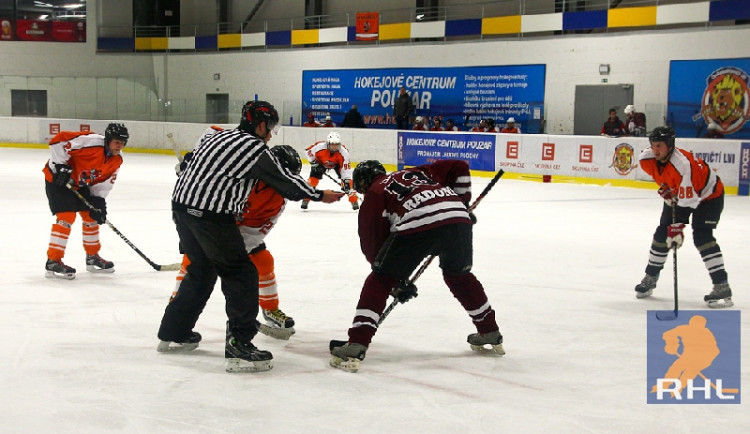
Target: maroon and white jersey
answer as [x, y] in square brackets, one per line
[414, 200]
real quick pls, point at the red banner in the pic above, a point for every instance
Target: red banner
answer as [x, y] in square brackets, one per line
[367, 26]
[69, 31]
[32, 30]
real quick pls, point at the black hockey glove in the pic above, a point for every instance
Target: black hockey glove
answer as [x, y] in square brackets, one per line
[473, 218]
[404, 291]
[100, 215]
[317, 170]
[182, 165]
[62, 174]
[345, 186]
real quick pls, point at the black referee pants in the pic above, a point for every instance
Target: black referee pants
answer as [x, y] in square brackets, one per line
[215, 249]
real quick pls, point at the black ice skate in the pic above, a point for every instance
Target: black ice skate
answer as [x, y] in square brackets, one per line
[305, 203]
[720, 296]
[478, 342]
[97, 264]
[346, 355]
[188, 344]
[245, 357]
[355, 206]
[646, 287]
[280, 326]
[58, 270]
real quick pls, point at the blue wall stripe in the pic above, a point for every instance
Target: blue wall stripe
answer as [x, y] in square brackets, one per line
[282, 37]
[463, 27]
[206, 42]
[729, 10]
[584, 20]
[115, 44]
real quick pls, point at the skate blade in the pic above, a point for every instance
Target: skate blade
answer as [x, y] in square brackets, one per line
[493, 350]
[644, 294]
[168, 347]
[351, 364]
[721, 303]
[276, 332]
[240, 365]
[64, 276]
[93, 269]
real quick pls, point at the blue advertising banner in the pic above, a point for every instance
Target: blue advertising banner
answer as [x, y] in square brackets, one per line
[417, 148]
[704, 92]
[744, 182]
[465, 95]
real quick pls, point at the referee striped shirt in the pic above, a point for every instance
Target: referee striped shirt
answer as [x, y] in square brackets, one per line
[225, 168]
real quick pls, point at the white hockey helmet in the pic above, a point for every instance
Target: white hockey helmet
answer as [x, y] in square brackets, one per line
[511, 120]
[418, 119]
[629, 109]
[333, 141]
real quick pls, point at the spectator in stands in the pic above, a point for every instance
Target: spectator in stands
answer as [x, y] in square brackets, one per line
[402, 109]
[437, 124]
[353, 119]
[613, 127]
[311, 122]
[482, 127]
[491, 128]
[328, 122]
[511, 127]
[713, 132]
[635, 122]
[450, 125]
[419, 124]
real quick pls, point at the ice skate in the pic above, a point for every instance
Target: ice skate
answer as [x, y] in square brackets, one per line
[305, 203]
[346, 355]
[355, 206]
[188, 344]
[479, 342]
[279, 325]
[58, 270]
[245, 357]
[97, 264]
[646, 287]
[720, 296]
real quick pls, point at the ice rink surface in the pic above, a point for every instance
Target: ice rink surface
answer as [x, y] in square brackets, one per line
[558, 261]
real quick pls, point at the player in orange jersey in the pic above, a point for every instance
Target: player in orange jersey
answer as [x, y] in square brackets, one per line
[331, 154]
[87, 163]
[689, 185]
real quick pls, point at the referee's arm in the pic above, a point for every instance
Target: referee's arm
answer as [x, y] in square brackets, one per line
[292, 187]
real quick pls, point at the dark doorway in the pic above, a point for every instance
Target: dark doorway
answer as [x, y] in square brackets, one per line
[28, 103]
[592, 106]
[217, 108]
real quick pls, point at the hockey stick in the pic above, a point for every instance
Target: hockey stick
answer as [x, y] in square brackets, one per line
[668, 315]
[157, 267]
[175, 148]
[429, 259]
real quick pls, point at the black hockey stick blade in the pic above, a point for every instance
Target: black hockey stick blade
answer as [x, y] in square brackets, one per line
[335, 344]
[666, 315]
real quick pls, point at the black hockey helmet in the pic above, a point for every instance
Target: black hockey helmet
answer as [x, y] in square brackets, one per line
[255, 112]
[662, 134]
[116, 131]
[365, 173]
[288, 157]
[490, 123]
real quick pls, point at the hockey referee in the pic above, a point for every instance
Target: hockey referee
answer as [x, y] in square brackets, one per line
[209, 195]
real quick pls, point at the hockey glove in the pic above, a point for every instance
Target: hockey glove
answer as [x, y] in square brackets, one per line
[62, 174]
[345, 187]
[317, 170]
[669, 195]
[100, 213]
[182, 165]
[473, 218]
[404, 291]
[675, 235]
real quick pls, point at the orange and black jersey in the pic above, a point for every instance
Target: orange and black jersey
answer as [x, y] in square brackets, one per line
[689, 176]
[263, 206]
[339, 161]
[87, 155]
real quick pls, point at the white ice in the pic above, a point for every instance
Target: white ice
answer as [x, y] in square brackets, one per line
[558, 261]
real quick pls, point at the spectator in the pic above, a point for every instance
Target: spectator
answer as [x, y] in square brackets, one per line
[311, 122]
[328, 123]
[437, 124]
[511, 127]
[419, 124]
[402, 108]
[713, 132]
[613, 127]
[482, 127]
[450, 125]
[491, 128]
[635, 122]
[353, 119]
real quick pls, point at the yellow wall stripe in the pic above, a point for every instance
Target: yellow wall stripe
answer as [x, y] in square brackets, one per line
[395, 31]
[230, 40]
[501, 25]
[301, 37]
[632, 17]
